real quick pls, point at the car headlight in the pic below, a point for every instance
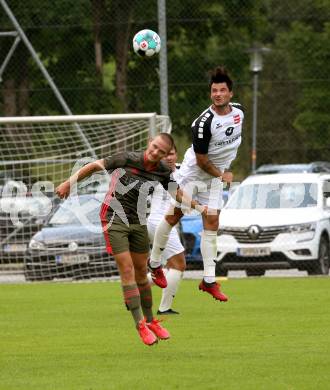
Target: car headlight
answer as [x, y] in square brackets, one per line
[302, 228]
[36, 245]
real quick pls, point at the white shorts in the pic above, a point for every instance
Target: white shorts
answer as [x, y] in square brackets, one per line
[206, 192]
[173, 247]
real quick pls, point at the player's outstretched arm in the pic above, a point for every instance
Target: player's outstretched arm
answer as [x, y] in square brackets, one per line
[63, 190]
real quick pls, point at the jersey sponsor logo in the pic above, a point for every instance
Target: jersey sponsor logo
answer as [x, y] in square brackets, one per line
[218, 125]
[237, 119]
[229, 141]
[229, 131]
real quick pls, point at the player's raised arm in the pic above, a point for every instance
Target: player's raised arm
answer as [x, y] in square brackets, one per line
[63, 190]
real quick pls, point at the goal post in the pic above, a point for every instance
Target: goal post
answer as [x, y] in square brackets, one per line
[36, 154]
[29, 141]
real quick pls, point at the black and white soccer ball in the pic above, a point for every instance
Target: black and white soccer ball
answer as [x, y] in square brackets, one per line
[146, 43]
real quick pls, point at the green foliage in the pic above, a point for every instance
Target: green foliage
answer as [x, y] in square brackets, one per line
[293, 122]
[308, 44]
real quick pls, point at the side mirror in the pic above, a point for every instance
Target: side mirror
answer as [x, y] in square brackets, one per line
[327, 202]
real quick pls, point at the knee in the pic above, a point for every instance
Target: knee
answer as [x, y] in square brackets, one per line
[180, 267]
[178, 263]
[127, 272]
[211, 223]
[172, 219]
[141, 272]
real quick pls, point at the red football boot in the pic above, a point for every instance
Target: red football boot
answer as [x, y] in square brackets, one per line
[158, 330]
[146, 334]
[214, 290]
[157, 276]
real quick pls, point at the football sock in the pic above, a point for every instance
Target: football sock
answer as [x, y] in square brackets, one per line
[173, 278]
[146, 300]
[160, 240]
[209, 254]
[133, 301]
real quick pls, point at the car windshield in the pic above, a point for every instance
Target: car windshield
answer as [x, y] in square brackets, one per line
[77, 211]
[274, 196]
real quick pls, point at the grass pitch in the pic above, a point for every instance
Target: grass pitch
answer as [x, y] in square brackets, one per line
[272, 334]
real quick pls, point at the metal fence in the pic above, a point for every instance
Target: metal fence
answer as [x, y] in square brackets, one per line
[86, 48]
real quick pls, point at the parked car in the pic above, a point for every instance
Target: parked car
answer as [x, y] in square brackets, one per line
[71, 243]
[313, 167]
[23, 216]
[20, 218]
[277, 221]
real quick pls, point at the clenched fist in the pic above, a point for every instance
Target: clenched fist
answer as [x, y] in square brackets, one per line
[227, 177]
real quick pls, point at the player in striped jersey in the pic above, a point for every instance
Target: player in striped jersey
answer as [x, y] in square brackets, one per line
[123, 217]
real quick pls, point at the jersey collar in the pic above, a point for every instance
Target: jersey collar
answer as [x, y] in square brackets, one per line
[213, 109]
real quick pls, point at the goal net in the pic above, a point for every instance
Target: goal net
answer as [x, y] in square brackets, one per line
[41, 237]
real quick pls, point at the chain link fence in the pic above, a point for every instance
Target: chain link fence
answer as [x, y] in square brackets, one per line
[86, 47]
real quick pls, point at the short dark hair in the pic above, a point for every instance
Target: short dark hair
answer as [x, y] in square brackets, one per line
[168, 138]
[220, 75]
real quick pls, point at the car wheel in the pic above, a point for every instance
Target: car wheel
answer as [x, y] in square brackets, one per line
[255, 272]
[321, 265]
[220, 270]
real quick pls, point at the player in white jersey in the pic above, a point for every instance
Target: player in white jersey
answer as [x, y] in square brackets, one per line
[216, 136]
[173, 258]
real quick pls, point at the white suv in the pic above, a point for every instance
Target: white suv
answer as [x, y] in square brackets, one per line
[276, 221]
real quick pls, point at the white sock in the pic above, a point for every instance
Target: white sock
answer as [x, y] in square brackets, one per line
[160, 240]
[209, 254]
[173, 278]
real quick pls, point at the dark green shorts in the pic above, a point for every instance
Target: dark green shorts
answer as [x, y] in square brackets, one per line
[121, 238]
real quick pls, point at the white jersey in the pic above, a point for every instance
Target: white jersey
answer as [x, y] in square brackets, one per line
[218, 136]
[160, 202]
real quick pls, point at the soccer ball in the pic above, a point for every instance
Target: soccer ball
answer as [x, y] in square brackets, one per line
[146, 43]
